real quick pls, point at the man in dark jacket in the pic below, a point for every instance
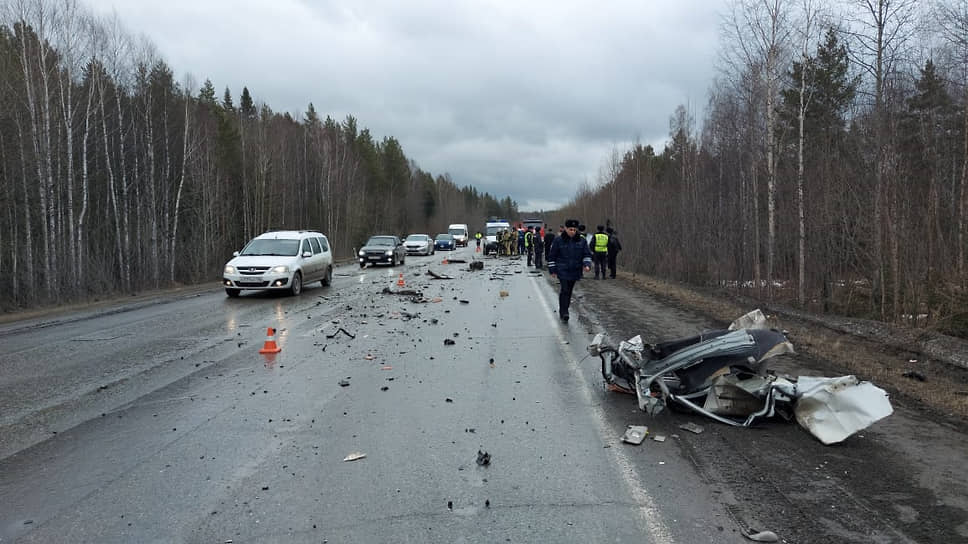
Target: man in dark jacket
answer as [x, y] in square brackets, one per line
[568, 257]
[549, 237]
[539, 249]
[614, 246]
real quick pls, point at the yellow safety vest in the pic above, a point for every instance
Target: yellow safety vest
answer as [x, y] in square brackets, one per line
[601, 243]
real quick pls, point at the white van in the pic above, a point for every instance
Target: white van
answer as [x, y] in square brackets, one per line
[459, 232]
[490, 234]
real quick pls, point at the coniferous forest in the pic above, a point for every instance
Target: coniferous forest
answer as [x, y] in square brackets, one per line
[115, 177]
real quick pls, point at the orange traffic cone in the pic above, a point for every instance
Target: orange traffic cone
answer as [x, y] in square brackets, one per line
[444, 261]
[478, 250]
[400, 280]
[270, 345]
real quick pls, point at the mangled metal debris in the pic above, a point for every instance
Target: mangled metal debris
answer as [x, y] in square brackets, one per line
[722, 375]
[437, 276]
[635, 434]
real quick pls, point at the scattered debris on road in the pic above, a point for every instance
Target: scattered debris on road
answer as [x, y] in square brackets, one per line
[635, 434]
[691, 427]
[449, 342]
[762, 536]
[437, 276]
[354, 456]
[483, 458]
[340, 330]
[344, 383]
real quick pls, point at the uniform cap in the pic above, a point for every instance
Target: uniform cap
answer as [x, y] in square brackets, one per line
[571, 223]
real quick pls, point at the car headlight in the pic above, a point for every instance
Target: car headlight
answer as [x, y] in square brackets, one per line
[279, 270]
[362, 254]
[229, 269]
[389, 252]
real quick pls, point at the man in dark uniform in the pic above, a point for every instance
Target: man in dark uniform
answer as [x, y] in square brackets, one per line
[549, 238]
[614, 246]
[569, 256]
[539, 249]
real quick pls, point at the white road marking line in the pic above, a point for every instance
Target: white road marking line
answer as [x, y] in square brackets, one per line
[651, 516]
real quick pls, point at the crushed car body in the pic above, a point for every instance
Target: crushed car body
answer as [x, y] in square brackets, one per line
[722, 374]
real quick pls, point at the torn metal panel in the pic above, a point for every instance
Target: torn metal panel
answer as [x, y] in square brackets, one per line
[834, 408]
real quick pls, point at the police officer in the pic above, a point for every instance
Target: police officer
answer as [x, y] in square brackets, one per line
[477, 237]
[600, 251]
[569, 256]
[538, 249]
[614, 246]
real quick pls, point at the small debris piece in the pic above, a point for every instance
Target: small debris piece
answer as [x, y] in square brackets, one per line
[354, 456]
[448, 399]
[344, 383]
[386, 367]
[635, 434]
[659, 438]
[762, 536]
[384, 388]
[450, 505]
[462, 301]
[437, 276]
[915, 375]
[368, 357]
[691, 427]
[340, 330]
[483, 458]
[461, 261]
[476, 265]
[504, 294]
[487, 502]
[449, 342]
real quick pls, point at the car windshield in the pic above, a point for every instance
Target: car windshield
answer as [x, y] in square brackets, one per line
[444, 237]
[380, 241]
[417, 238]
[456, 231]
[272, 246]
[491, 231]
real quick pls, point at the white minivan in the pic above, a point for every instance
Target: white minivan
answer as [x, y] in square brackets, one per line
[459, 232]
[280, 260]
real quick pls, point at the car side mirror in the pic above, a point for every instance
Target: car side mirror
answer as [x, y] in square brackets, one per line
[235, 253]
[307, 254]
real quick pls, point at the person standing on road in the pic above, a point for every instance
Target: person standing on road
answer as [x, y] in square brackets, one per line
[549, 239]
[600, 251]
[614, 246]
[569, 256]
[478, 237]
[529, 244]
[538, 250]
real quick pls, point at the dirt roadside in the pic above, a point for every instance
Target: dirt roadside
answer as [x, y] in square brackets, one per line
[901, 480]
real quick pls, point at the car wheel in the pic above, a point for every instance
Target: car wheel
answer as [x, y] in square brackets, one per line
[362, 266]
[231, 292]
[403, 260]
[328, 278]
[295, 287]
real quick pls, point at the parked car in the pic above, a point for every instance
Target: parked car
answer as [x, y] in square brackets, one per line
[445, 241]
[280, 260]
[419, 244]
[382, 249]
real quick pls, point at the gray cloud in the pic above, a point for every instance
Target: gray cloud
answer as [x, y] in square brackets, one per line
[525, 99]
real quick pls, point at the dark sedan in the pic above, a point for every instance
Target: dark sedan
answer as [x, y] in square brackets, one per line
[383, 249]
[445, 242]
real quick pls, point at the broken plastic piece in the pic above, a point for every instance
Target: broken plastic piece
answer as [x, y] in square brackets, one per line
[691, 427]
[635, 434]
[762, 536]
[354, 456]
[483, 458]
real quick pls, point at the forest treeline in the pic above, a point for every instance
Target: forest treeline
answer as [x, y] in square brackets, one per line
[115, 177]
[829, 170]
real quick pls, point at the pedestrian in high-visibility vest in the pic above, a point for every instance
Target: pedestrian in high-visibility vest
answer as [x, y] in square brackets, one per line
[478, 237]
[600, 252]
[529, 244]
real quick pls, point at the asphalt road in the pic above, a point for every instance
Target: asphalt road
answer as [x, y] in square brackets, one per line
[159, 421]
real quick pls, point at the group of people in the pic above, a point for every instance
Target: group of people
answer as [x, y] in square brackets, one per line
[568, 254]
[573, 251]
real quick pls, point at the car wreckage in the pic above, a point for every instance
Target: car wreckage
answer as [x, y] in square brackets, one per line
[723, 375]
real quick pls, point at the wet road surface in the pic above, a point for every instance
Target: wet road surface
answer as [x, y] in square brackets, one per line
[161, 422]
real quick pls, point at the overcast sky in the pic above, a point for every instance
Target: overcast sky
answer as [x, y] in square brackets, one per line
[519, 98]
